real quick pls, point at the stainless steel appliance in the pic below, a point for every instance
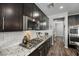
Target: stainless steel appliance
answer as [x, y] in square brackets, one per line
[25, 22]
[73, 35]
[32, 43]
[74, 30]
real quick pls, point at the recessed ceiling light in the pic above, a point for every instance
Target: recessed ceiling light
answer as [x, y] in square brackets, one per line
[61, 7]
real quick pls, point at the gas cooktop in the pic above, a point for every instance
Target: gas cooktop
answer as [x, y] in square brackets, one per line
[32, 43]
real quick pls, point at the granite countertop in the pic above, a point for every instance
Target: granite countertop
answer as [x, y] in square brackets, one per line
[18, 50]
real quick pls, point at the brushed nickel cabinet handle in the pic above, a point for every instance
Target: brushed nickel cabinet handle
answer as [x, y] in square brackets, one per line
[3, 23]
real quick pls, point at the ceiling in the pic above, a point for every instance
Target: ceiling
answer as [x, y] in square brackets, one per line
[72, 8]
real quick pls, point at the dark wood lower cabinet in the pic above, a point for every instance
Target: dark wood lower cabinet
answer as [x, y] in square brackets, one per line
[35, 53]
[43, 49]
[46, 48]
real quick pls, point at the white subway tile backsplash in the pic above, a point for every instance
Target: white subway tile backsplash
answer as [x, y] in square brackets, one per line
[10, 38]
[1, 36]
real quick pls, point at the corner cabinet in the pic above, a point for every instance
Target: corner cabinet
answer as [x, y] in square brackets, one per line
[43, 49]
[11, 16]
[41, 20]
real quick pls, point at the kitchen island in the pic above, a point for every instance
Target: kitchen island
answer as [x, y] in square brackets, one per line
[18, 50]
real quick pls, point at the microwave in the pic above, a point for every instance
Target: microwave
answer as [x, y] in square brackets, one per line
[74, 31]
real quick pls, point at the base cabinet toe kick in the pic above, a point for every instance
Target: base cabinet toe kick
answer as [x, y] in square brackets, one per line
[43, 49]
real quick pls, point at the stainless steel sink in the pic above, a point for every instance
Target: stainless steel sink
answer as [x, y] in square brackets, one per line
[32, 43]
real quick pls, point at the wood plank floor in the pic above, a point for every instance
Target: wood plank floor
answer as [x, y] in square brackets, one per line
[58, 49]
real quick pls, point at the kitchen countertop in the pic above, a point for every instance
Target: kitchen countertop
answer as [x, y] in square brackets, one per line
[18, 50]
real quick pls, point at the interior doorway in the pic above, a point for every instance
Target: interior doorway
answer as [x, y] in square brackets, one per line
[59, 29]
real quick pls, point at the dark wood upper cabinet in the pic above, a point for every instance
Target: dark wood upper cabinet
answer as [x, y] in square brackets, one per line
[12, 23]
[1, 19]
[33, 11]
[1, 23]
[77, 19]
[28, 9]
[36, 11]
[73, 20]
[13, 17]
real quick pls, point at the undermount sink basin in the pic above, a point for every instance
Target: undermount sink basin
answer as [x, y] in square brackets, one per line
[32, 43]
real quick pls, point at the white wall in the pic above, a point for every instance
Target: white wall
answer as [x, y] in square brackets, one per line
[65, 15]
[51, 27]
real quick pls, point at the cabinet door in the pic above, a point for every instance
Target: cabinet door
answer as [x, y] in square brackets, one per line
[13, 8]
[47, 23]
[1, 23]
[36, 14]
[72, 20]
[28, 9]
[1, 18]
[42, 50]
[13, 17]
[46, 47]
[35, 53]
[77, 19]
[39, 51]
[11, 23]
